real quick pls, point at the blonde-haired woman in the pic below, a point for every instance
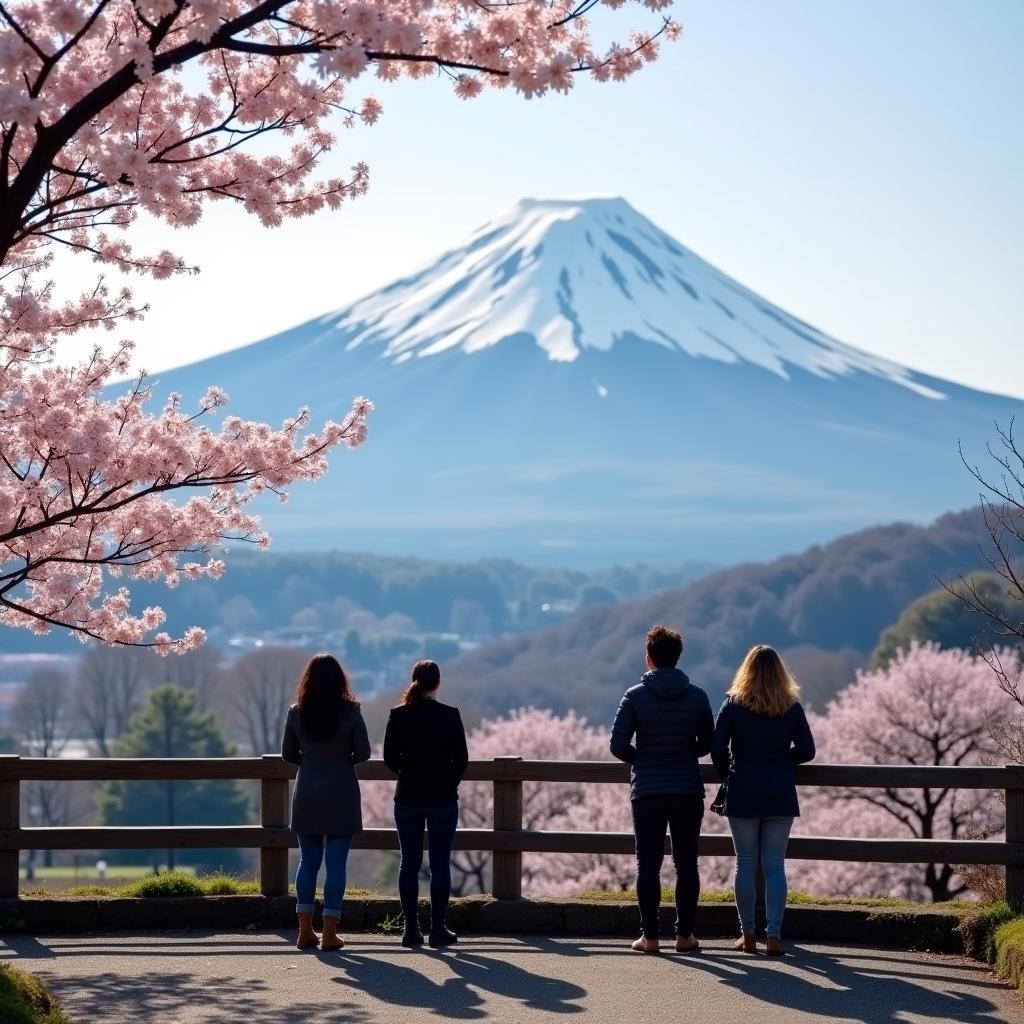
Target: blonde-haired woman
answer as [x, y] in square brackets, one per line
[760, 736]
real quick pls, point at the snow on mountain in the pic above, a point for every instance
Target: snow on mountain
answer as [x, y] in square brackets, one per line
[574, 386]
[575, 274]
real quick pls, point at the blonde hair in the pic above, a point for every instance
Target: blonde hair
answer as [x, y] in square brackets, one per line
[763, 684]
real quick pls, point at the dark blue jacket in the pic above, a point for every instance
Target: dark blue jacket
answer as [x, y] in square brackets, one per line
[759, 753]
[672, 722]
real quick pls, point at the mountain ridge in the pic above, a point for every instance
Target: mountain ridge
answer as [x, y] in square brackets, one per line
[503, 259]
[520, 414]
[824, 608]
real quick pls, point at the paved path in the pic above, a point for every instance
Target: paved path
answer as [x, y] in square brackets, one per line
[252, 978]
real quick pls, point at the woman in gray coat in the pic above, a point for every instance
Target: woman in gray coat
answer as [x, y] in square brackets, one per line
[325, 735]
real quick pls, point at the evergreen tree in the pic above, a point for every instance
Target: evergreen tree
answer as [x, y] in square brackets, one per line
[944, 619]
[169, 725]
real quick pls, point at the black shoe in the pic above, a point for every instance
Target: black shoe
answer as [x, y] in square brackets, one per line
[442, 937]
[413, 938]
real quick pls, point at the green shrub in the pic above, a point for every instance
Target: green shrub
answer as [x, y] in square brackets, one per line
[979, 926]
[995, 933]
[171, 883]
[24, 999]
[1008, 947]
[228, 885]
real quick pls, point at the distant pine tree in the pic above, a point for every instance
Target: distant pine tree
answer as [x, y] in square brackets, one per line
[169, 725]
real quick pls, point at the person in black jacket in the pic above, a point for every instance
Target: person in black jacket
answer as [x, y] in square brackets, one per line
[760, 737]
[425, 746]
[671, 721]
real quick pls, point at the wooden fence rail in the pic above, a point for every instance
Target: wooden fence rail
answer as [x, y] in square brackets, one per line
[508, 840]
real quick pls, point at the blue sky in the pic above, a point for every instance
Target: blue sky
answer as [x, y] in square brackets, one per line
[858, 164]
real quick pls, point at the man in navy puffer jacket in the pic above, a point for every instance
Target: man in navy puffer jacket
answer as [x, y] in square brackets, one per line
[663, 725]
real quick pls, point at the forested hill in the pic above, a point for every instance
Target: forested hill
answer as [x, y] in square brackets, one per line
[824, 608]
[314, 599]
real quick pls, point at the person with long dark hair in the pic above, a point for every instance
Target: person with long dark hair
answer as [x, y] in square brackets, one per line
[425, 746]
[760, 737]
[325, 735]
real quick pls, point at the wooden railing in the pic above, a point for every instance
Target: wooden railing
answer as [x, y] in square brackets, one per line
[507, 839]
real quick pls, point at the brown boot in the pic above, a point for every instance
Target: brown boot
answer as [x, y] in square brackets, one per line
[774, 946]
[747, 944]
[330, 938]
[307, 937]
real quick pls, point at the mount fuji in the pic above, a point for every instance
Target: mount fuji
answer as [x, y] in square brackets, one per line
[572, 385]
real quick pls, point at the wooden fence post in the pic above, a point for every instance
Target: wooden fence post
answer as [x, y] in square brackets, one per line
[10, 817]
[507, 865]
[1014, 834]
[274, 812]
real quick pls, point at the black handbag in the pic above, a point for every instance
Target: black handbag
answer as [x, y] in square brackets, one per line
[718, 804]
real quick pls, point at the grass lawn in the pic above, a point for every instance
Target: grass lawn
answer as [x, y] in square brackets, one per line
[169, 884]
[64, 877]
[68, 872]
[797, 898]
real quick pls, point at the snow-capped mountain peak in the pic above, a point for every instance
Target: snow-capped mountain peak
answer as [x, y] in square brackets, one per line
[585, 273]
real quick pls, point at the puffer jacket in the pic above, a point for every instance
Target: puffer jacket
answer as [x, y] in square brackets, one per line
[672, 723]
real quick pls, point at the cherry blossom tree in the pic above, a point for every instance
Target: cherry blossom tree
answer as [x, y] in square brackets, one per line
[539, 734]
[535, 734]
[928, 706]
[113, 108]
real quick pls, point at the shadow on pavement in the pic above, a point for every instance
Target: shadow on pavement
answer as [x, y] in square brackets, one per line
[15, 945]
[840, 990]
[859, 986]
[458, 997]
[155, 996]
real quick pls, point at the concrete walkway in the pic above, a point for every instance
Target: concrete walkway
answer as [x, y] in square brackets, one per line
[257, 977]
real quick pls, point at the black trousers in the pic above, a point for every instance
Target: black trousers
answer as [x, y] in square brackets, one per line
[681, 815]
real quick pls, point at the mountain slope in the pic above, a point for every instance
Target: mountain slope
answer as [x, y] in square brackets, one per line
[823, 608]
[573, 386]
[573, 275]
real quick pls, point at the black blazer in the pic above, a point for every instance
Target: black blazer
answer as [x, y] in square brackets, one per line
[425, 746]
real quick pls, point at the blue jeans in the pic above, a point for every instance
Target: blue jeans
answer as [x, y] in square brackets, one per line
[440, 823]
[763, 839]
[311, 852]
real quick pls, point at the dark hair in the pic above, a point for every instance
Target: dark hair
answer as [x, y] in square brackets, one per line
[426, 678]
[323, 695]
[664, 646]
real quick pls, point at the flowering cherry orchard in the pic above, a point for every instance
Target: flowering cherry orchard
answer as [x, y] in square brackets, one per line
[535, 734]
[112, 108]
[929, 706]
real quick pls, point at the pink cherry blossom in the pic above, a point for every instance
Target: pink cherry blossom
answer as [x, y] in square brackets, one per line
[111, 108]
[928, 707]
[535, 734]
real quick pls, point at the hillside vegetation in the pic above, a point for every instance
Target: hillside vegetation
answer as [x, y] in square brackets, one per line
[825, 608]
[948, 621]
[318, 598]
